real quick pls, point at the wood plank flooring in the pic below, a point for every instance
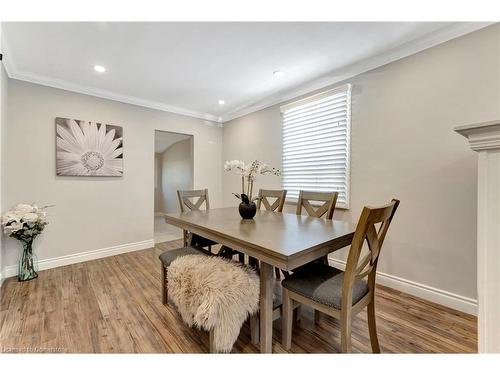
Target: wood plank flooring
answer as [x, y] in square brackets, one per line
[113, 305]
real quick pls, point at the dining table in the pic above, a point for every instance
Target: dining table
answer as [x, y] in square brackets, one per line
[281, 240]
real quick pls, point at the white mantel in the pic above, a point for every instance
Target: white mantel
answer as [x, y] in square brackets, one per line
[485, 139]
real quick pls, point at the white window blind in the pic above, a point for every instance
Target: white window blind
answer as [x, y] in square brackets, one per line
[316, 138]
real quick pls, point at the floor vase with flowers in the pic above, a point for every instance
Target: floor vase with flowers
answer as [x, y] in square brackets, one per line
[24, 223]
[28, 265]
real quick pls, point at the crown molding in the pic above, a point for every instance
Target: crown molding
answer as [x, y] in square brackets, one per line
[482, 136]
[14, 73]
[453, 31]
[68, 86]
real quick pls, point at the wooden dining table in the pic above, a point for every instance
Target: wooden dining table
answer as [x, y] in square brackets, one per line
[281, 240]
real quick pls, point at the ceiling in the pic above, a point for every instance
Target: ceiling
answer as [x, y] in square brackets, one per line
[164, 140]
[187, 67]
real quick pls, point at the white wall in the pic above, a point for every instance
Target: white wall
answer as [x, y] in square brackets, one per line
[403, 145]
[176, 173]
[93, 213]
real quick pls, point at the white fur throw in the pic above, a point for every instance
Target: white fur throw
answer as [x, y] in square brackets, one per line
[213, 293]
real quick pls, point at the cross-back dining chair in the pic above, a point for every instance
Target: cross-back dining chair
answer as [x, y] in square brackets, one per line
[186, 199]
[192, 200]
[306, 199]
[309, 201]
[342, 294]
[263, 199]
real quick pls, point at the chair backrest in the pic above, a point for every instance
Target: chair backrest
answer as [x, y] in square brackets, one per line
[186, 203]
[329, 200]
[357, 269]
[280, 196]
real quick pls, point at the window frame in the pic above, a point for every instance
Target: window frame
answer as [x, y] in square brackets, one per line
[347, 88]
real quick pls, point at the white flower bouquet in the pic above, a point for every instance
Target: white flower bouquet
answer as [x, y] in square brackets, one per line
[24, 223]
[248, 173]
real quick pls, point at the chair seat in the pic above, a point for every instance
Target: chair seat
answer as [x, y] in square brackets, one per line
[322, 283]
[169, 256]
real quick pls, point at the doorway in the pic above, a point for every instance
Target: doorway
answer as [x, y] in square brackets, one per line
[173, 165]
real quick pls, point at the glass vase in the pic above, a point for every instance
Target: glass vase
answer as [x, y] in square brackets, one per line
[27, 263]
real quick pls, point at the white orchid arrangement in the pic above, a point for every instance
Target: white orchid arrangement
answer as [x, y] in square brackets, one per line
[24, 222]
[249, 172]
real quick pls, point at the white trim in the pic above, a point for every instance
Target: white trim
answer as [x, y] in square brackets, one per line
[84, 256]
[68, 86]
[485, 139]
[14, 73]
[429, 293]
[455, 30]
[1, 279]
[482, 136]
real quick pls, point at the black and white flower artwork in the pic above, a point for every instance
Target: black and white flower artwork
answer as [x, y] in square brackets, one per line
[86, 148]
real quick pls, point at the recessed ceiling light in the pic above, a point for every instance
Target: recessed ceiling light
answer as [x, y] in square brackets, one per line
[99, 68]
[278, 73]
[221, 102]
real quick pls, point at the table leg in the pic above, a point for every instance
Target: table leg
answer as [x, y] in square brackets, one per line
[266, 308]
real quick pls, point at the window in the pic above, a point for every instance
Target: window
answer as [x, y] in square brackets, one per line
[316, 137]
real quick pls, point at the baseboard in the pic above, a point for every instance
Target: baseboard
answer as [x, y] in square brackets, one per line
[439, 296]
[84, 256]
[429, 293]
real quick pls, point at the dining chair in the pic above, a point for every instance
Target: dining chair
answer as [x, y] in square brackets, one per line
[193, 200]
[166, 258]
[187, 202]
[277, 205]
[308, 200]
[264, 199]
[329, 201]
[342, 294]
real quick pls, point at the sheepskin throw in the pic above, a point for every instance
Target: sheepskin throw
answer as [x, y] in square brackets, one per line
[213, 293]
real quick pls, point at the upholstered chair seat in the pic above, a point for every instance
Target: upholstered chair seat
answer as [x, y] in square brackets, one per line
[166, 259]
[323, 283]
[169, 256]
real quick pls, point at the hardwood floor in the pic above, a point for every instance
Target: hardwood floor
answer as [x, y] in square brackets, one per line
[113, 305]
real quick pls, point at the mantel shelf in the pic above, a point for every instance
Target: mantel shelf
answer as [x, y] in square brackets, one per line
[482, 136]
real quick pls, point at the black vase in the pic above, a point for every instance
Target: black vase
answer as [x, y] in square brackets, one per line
[247, 210]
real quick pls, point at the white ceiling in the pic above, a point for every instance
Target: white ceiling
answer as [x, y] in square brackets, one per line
[187, 67]
[164, 140]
